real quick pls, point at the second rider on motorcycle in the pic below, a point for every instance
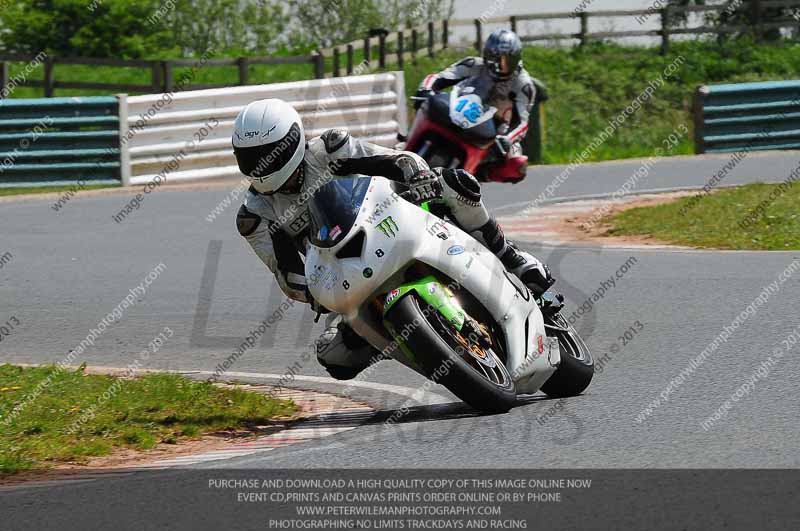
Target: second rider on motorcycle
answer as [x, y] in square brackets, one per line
[513, 91]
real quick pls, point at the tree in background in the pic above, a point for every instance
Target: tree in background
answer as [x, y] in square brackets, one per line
[228, 26]
[131, 29]
[327, 22]
[741, 13]
[95, 28]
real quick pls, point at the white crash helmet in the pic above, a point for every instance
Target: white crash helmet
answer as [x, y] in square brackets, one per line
[269, 143]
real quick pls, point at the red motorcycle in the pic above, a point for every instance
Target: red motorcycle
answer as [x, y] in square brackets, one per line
[456, 130]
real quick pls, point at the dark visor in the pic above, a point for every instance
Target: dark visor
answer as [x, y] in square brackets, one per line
[259, 161]
[499, 64]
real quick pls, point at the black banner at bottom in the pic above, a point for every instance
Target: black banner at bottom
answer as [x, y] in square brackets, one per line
[411, 499]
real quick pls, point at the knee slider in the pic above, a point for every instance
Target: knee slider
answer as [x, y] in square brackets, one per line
[341, 373]
[247, 222]
[350, 339]
[464, 184]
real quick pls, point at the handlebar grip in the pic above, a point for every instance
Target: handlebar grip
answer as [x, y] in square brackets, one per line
[500, 147]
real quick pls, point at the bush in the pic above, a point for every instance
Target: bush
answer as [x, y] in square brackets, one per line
[133, 29]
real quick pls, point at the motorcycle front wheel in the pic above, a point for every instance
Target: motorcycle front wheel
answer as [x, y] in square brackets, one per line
[577, 365]
[475, 375]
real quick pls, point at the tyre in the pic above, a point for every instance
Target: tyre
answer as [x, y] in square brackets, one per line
[577, 365]
[482, 381]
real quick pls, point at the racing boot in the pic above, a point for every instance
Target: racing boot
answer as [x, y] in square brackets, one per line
[342, 352]
[536, 275]
[532, 272]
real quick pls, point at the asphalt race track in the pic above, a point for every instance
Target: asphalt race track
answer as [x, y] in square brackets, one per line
[71, 268]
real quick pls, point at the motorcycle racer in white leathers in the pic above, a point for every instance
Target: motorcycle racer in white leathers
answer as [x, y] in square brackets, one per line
[285, 170]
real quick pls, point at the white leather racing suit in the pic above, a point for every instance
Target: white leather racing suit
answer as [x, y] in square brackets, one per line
[275, 225]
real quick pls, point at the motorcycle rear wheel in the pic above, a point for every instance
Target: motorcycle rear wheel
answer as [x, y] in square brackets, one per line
[483, 382]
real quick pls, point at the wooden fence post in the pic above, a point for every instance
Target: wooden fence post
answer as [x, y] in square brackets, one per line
[797, 29]
[755, 5]
[4, 78]
[535, 137]
[155, 76]
[400, 49]
[445, 33]
[584, 28]
[697, 111]
[665, 12]
[382, 51]
[367, 51]
[243, 71]
[49, 81]
[414, 43]
[349, 59]
[430, 39]
[336, 72]
[168, 81]
[478, 34]
[318, 60]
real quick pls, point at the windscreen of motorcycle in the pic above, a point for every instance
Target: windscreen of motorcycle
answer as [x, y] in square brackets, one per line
[334, 208]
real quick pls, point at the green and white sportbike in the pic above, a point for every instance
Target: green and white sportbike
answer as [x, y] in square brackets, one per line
[422, 290]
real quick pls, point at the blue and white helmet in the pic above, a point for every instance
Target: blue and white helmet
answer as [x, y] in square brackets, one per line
[502, 54]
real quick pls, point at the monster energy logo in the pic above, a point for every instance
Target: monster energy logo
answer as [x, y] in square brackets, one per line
[388, 227]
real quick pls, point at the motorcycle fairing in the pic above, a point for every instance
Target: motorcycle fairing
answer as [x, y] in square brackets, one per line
[432, 292]
[413, 237]
[466, 108]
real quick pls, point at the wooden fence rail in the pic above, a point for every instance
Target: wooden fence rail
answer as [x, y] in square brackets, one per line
[410, 43]
[666, 17]
[381, 48]
[391, 48]
[162, 78]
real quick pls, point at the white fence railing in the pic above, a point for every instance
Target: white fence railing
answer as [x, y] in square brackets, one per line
[187, 135]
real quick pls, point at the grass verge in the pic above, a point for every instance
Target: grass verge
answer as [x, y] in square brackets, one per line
[47, 189]
[756, 216]
[81, 415]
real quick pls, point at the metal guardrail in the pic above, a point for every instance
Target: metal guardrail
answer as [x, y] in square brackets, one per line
[371, 107]
[747, 116]
[180, 136]
[59, 140]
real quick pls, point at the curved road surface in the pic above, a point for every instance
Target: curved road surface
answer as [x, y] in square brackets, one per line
[71, 268]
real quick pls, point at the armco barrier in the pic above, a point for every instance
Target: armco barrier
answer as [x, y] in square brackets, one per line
[59, 140]
[187, 135]
[747, 116]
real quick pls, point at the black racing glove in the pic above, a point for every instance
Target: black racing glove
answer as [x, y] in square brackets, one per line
[316, 307]
[423, 186]
[502, 146]
[422, 93]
